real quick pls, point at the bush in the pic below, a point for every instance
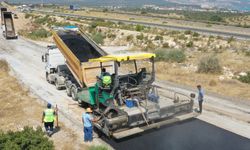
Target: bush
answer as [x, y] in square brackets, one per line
[209, 64]
[129, 38]
[38, 34]
[165, 45]
[139, 27]
[140, 36]
[43, 20]
[190, 44]
[98, 38]
[245, 79]
[27, 139]
[247, 53]
[195, 34]
[216, 18]
[187, 32]
[27, 16]
[98, 148]
[170, 55]
[158, 37]
[231, 39]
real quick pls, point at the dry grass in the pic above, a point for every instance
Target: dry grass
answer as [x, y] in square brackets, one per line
[227, 87]
[18, 109]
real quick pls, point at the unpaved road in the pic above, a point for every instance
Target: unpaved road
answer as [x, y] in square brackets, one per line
[25, 59]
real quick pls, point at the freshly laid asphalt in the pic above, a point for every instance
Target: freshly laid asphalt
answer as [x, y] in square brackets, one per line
[190, 135]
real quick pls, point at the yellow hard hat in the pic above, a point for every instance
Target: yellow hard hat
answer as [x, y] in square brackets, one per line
[89, 110]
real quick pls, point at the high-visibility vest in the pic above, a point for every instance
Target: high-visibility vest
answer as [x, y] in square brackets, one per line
[49, 115]
[106, 80]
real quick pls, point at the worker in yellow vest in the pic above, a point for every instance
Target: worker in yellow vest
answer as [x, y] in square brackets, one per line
[48, 118]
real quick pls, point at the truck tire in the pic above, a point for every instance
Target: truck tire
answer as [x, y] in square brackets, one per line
[57, 85]
[47, 78]
[74, 93]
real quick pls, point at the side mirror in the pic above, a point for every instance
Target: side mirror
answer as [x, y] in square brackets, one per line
[192, 95]
[52, 70]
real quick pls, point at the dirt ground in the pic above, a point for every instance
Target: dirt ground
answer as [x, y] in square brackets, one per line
[19, 109]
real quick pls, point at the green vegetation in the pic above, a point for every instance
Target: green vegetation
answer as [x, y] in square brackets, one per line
[27, 15]
[129, 38]
[43, 20]
[28, 139]
[170, 55]
[231, 39]
[190, 44]
[49, 21]
[158, 37]
[209, 64]
[139, 28]
[216, 18]
[38, 34]
[140, 36]
[247, 53]
[98, 38]
[98, 148]
[245, 79]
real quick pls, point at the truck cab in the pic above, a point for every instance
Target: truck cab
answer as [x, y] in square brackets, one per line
[56, 70]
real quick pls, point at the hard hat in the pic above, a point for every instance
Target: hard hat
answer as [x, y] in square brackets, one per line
[48, 105]
[89, 110]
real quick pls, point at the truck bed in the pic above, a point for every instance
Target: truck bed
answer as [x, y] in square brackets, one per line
[9, 30]
[78, 48]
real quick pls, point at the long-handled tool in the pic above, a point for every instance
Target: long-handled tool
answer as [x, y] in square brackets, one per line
[56, 110]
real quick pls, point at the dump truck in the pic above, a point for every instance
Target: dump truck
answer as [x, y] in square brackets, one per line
[8, 26]
[120, 88]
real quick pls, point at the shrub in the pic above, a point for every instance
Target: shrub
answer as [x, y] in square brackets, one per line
[27, 15]
[245, 79]
[165, 45]
[190, 44]
[139, 27]
[216, 18]
[27, 139]
[99, 147]
[195, 34]
[105, 10]
[209, 64]
[231, 39]
[93, 25]
[139, 37]
[170, 55]
[43, 20]
[98, 38]
[188, 32]
[247, 53]
[158, 37]
[129, 38]
[38, 34]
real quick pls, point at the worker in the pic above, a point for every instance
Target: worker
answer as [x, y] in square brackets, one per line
[48, 119]
[200, 97]
[106, 78]
[87, 120]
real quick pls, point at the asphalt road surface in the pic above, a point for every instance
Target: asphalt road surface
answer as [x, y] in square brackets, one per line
[190, 135]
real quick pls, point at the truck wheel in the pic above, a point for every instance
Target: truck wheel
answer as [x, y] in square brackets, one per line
[47, 78]
[74, 93]
[57, 85]
[68, 91]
